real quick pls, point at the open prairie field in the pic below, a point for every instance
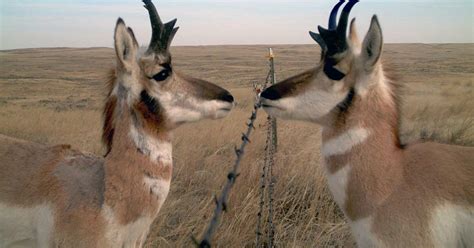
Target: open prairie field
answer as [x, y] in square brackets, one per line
[56, 95]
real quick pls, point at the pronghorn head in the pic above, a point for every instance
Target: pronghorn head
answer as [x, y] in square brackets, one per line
[147, 79]
[347, 69]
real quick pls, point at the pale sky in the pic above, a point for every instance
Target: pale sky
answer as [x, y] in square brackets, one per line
[90, 23]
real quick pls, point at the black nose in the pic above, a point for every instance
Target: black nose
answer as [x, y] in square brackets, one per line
[271, 94]
[227, 97]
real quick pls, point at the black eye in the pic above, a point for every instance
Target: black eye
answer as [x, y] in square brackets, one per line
[162, 75]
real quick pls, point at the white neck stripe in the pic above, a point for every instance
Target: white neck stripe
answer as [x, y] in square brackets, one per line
[344, 142]
[157, 150]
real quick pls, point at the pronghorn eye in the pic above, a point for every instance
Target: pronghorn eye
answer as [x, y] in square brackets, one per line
[162, 75]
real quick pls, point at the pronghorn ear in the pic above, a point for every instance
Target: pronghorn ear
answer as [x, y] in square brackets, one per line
[372, 45]
[135, 42]
[126, 46]
[353, 34]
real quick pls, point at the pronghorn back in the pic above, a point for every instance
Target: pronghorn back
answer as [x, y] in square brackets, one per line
[41, 186]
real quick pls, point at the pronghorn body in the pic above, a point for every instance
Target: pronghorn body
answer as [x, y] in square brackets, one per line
[393, 195]
[60, 197]
[56, 196]
[421, 195]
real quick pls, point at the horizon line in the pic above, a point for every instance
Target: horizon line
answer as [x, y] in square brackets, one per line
[217, 45]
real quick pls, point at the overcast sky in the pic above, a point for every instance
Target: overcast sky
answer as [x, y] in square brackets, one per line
[90, 23]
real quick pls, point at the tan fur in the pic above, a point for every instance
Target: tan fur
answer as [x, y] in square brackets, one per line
[297, 84]
[400, 186]
[393, 195]
[79, 185]
[123, 176]
[65, 198]
[31, 176]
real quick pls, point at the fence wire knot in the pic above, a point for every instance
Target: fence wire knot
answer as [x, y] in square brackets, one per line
[238, 152]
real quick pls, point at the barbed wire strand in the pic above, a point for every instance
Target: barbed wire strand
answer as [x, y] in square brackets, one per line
[263, 180]
[221, 202]
[267, 179]
[271, 182]
[263, 183]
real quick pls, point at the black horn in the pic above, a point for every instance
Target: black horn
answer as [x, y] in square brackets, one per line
[333, 40]
[162, 34]
[332, 18]
[343, 20]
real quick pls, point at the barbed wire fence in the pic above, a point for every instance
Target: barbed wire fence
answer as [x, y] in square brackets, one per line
[267, 180]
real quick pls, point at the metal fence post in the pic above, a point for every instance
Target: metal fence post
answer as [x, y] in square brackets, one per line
[273, 82]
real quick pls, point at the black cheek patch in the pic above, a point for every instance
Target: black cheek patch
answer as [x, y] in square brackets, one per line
[149, 102]
[333, 73]
[346, 104]
[151, 113]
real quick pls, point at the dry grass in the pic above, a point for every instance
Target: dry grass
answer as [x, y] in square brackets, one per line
[55, 95]
[449, 120]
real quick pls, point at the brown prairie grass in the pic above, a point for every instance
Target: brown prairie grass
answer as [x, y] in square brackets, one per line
[55, 96]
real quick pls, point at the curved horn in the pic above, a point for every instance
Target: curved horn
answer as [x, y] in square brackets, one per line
[332, 18]
[343, 20]
[333, 40]
[156, 24]
[162, 34]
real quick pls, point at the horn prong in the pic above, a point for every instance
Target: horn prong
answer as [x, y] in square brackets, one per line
[171, 36]
[317, 37]
[325, 34]
[169, 26]
[332, 18]
[323, 31]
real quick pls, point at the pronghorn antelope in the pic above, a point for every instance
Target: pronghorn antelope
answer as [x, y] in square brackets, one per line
[60, 197]
[393, 195]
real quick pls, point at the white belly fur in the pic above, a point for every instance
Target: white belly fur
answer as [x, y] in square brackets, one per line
[337, 183]
[26, 227]
[130, 235]
[362, 232]
[452, 226]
